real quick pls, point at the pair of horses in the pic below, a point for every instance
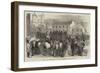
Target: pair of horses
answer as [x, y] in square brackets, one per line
[46, 48]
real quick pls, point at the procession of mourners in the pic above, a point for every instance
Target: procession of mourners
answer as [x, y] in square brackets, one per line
[55, 44]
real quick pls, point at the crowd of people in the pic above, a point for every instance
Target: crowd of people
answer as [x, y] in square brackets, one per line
[55, 44]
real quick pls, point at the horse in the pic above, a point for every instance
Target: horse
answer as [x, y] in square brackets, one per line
[57, 48]
[44, 47]
[62, 48]
[48, 48]
[34, 47]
